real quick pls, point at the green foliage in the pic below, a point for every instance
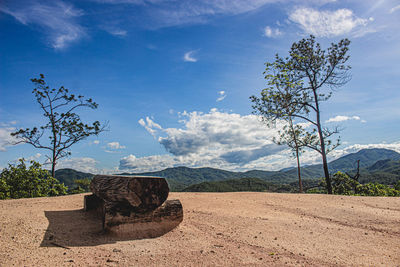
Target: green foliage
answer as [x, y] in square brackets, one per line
[82, 186]
[64, 125]
[397, 186]
[342, 184]
[238, 185]
[181, 177]
[18, 181]
[375, 189]
[296, 86]
[68, 176]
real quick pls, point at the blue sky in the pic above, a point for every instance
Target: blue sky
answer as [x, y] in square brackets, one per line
[173, 78]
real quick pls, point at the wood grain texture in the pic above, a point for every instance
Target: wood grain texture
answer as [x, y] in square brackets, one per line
[138, 193]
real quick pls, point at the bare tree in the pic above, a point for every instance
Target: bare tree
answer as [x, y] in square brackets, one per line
[64, 125]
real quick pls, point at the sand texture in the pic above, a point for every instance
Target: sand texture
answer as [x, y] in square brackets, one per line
[218, 229]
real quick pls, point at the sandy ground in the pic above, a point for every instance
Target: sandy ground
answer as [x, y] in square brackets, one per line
[219, 229]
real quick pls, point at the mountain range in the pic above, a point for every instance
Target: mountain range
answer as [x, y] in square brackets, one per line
[376, 165]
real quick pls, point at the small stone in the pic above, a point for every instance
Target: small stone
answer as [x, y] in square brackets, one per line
[116, 250]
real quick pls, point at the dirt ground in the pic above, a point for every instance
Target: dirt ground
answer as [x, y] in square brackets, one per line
[218, 229]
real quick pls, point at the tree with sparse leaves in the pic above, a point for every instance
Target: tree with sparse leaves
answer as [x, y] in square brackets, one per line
[314, 74]
[279, 101]
[63, 124]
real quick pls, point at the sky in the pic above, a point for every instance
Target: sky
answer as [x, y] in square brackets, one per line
[173, 77]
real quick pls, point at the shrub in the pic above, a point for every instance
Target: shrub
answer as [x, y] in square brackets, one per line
[18, 181]
[342, 184]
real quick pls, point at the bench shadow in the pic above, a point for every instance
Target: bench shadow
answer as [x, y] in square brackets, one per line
[73, 228]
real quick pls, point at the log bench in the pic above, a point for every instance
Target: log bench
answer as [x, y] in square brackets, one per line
[133, 206]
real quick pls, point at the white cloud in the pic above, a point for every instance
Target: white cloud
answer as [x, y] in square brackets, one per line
[96, 142]
[393, 9]
[216, 139]
[84, 164]
[150, 126]
[5, 138]
[340, 118]
[188, 57]
[56, 18]
[194, 11]
[34, 157]
[273, 162]
[222, 95]
[272, 32]
[115, 145]
[116, 31]
[327, 23]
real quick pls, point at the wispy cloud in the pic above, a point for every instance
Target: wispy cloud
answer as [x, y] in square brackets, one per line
[116, 31]
[222, 95]
[188, 57]
[341, 118]
[394, 9]
[166, 13]
[57, 18]
[272, 32]
[327, 23]
[150, 126]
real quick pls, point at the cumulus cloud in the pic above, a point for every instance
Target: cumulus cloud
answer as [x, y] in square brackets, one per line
[272, 32]
[56, 18]
[96, 142]
[115, 145]
[5, 138]
[327, 23]
[273, 162]
[84, 164]
[216, 139]
[341, 118]
[222, 95]
[188, 57]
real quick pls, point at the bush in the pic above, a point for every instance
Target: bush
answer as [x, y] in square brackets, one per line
[342, 184]
[375, 189]
[82, 186]
[18, 181]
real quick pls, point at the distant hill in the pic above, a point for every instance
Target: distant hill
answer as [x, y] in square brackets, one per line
[237, 185]
[377, 165]
[67, 176]
[385, 171]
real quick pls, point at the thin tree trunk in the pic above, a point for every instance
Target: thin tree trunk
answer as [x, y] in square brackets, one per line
[53, 169]
[298, 171]
[322, 143]
[297, 154]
